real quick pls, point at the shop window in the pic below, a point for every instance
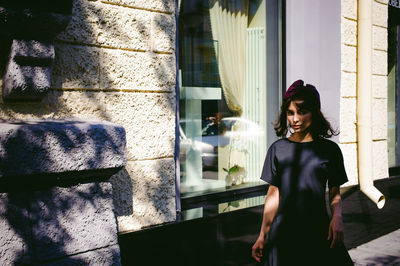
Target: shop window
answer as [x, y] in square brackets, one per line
[228, 99]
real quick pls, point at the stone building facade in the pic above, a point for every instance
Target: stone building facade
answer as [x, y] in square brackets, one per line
[348, 133]
[116, 62]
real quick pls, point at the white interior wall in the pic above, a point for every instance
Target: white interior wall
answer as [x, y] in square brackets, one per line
[313, 39]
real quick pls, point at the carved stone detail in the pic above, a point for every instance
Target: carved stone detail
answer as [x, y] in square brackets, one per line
[31, 26]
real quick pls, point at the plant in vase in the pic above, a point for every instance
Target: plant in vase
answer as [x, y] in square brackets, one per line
[235, 175]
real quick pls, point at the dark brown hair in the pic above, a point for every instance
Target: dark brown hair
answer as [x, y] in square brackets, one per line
[320, 126]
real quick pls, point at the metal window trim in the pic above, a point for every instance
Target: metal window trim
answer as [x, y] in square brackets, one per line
[177, 97]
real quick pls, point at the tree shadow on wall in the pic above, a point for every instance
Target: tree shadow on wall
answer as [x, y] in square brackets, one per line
[134, 86]
[53, 218]
[91, 78]
[47, 227]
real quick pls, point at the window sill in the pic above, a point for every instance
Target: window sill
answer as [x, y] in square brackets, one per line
[196, 200]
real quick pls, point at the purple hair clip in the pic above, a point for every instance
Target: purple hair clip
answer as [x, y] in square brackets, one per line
[298, 87]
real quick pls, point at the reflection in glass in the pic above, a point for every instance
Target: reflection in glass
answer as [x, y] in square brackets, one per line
[222, 93]
[240, 204]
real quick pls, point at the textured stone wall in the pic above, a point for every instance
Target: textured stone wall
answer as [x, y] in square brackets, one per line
[116, 62]
[56, 204]
[348, 134]
[60, 226]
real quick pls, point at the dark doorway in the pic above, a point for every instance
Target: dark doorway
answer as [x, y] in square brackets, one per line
[394, 85]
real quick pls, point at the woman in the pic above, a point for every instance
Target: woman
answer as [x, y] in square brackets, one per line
[296, 229]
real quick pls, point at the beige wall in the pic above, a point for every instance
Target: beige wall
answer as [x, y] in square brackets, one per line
[348, 134]
[116, 62]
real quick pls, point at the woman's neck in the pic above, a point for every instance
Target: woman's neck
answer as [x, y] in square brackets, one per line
[301, 137]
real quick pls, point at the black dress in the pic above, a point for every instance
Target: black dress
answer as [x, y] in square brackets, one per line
[299, 232]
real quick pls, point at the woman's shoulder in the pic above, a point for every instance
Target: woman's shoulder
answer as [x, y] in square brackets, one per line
[327, 141]
[279, 145]
[279, 142]
[328, 144]
[284, 142]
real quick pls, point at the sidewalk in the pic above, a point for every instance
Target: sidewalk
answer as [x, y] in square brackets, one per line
[372, 235]
[384, 250]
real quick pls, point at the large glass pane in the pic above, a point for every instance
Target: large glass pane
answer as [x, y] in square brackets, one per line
[223, 94]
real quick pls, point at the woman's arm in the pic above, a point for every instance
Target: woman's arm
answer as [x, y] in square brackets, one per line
[336, 226]
[270, 208]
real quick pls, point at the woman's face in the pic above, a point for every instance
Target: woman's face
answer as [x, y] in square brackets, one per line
[299, 119]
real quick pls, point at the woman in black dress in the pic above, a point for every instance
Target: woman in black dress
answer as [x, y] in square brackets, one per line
[296, 228]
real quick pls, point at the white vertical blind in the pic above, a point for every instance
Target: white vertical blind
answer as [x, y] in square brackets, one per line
[254, 102]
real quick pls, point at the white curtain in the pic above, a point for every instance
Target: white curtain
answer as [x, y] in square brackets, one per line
[228, 24]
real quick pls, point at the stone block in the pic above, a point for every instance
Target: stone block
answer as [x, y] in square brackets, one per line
[16, 239]
[348, 118]
[25, 83]
[379, 14]
[29, 28]
[148, 118]
[137, 71]
[163, 32]
[349, 151]
[348, 84]
[379, 118]
[72, 220]
[27, 73]
[74, 224]
[79, 104]
[349, 58]
[59, 146]
[108, 25]
[349, 9]
[149, 124]
[379, 86]
[100, 257]
[164, 71]
[32, 49]
[144, 194]
[380, 38]
[380, 159]
[76, 67]
[349, 31]
[167, 6]
[379, 62]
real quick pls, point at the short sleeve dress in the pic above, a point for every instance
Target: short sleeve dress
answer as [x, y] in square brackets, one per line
[299, 232]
